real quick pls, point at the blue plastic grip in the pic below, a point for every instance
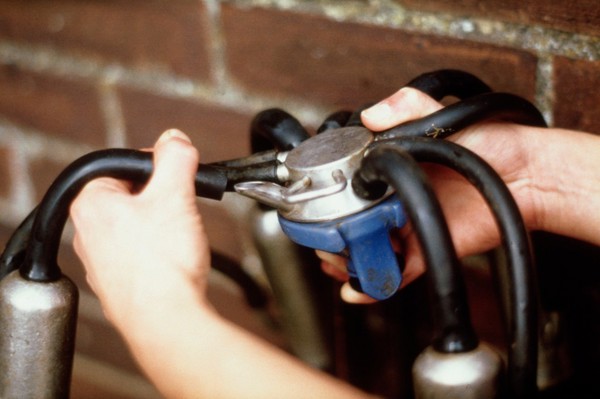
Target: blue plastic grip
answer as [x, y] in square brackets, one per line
[364, 238]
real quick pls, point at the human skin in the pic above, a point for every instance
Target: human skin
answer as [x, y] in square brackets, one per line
[147, 255]
[553, 174]
[147, 258]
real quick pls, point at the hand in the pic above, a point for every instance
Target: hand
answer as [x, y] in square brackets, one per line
[504, 146]
[148, 247]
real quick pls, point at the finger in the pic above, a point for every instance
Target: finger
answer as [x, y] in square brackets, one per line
[335, 260]
[350, 295]
[333, 265]
[175, 165]
[334, 271]
[404, 105]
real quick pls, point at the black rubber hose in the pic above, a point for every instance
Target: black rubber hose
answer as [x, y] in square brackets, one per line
[275, 128]
[256, 158]
[453, 331]
[335, 121]
[457, 116]
[355, 118]
[266, 171]
[449, 82]
[40, 259]
[13, 254]
[522, 325]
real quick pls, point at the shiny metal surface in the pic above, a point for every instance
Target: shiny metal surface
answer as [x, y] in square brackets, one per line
[37, 336]
[285, 270]
[319, 172]
[470, 375]
[554, 360]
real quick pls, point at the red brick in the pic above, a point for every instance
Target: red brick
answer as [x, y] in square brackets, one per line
[346, 64]
[218, 133]
[42, 173]
[61, 107]
[162, 34]
[582, 16]
[577, 96]
[5, 180]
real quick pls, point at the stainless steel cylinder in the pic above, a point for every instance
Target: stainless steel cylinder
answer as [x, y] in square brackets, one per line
[469, 375]
[285, 270]
[37, 337]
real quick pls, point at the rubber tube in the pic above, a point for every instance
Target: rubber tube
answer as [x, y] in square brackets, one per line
[275, 128]
[449, 82]
[14, 252]
[457, 116]
[266, 171]
[256, 158]
[335, 120]
[355, 117]
[40, 259]
[453, 332]
[522, 325]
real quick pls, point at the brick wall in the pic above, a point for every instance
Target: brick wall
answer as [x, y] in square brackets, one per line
[82, 75]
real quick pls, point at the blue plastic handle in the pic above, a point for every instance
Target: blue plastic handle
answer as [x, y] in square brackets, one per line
[364, 237]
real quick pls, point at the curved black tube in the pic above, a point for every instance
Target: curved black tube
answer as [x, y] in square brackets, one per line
[13, 254]
[522, 326]
[449, 82]
[275, 128]
[40, 259]
[334, 121]
[457, 116]
[453, 331]
[355, 119]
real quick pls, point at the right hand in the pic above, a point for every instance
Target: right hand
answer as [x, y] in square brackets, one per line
[506, 147]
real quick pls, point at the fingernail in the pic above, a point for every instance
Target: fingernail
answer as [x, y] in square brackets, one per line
[174, 133]
[378, 112]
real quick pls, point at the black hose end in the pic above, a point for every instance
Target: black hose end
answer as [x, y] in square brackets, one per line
[461, 339]
[368, 189]
[210, 182]
[42, 273]
[335, 121]
[355, 119]
[275, 128]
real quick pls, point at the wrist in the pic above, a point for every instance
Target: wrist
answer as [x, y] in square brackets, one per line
[153, 305]
[566, 183]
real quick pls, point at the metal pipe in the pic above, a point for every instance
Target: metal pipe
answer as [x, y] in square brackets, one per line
[37, 337]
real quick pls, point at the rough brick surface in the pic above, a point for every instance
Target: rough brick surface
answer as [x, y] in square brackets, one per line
[571, 15]
[43, 172]
[161, 34]
[345, 64]
[219, 133]
[576, 87]
[5, 181]
[60, 107]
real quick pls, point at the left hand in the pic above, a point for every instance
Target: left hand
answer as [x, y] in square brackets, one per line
[144, 248]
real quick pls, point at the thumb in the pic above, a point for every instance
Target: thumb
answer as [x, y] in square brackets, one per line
[404, 105]
[175, 165]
